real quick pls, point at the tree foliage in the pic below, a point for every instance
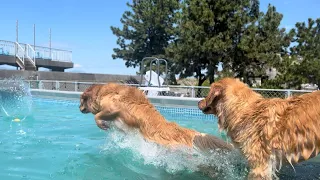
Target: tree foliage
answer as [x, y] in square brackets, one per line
[205, 36]
[303, 63]
[197, 35]
[147, 30]
[258, 45]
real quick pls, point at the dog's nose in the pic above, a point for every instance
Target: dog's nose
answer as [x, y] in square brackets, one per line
[202, 104]
[82, 109]
[199, 105]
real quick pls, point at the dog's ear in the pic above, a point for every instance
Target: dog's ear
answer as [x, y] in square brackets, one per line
[215, 91]
[88, 92]
[85, 95]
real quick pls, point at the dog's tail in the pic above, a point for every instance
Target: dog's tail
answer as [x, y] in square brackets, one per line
[206, 142]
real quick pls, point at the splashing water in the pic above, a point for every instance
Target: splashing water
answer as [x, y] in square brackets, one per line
[217, 165]
[15, 98]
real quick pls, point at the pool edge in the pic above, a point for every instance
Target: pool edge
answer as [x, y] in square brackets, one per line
[166, 101]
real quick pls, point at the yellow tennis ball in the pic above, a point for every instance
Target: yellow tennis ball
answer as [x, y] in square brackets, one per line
[16, 120]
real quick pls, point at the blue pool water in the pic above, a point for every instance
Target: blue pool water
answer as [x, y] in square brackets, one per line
[56, 141]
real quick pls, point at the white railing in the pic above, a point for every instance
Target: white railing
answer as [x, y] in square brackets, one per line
[180, 91]
[53, 54]
[38, 52]
[31, 54]
[20, 52]
[58, 55]
[7, 48]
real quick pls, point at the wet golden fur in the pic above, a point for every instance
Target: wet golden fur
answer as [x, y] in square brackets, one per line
[121, 103]
[266, 130]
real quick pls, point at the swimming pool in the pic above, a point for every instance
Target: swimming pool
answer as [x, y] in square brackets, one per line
[56, 141]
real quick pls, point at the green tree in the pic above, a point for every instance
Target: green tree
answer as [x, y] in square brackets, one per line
[303, 63]
[259, 45]
[205, 35]
[307, 51]
[147, 30]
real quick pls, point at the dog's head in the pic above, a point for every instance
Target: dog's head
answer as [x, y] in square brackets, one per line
[86, 99]
[225, 96]
[218, 95]
[208, 105]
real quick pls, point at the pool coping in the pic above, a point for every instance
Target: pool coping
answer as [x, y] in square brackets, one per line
[167, 101]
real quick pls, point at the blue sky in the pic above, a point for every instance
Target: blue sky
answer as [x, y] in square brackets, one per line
[84, 27]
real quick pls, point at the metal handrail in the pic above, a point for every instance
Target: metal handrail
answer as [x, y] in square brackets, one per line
[7, 48]
[43, 52]
[33, 53]
[18, 47]
[158, 69]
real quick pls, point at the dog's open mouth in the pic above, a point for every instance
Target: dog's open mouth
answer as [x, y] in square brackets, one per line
[84, 111]
[206, 109]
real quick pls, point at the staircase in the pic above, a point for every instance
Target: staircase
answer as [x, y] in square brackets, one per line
[25, 57]
[19, 55]
[30, 63]
[29, 66]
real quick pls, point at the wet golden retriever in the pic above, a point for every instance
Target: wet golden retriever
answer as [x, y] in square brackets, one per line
[266, 130]
[127, 108]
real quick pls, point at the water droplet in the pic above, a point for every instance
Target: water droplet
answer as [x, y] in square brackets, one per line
[15, 98]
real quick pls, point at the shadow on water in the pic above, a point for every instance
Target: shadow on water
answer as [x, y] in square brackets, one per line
[308, 170]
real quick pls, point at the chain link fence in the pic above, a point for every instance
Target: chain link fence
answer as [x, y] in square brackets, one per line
[177, 91]
[272, 93]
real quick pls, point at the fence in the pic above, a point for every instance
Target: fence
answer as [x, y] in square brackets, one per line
[180, 91]
[9, 48]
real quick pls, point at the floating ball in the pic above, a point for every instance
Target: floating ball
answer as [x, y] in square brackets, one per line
[16, 120]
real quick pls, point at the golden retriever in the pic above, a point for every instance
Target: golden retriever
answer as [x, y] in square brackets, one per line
[126, 108]
[266, 130]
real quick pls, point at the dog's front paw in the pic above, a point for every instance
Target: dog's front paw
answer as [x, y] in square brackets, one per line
[102, 124]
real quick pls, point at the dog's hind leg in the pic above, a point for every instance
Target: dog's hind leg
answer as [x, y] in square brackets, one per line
[209, 142]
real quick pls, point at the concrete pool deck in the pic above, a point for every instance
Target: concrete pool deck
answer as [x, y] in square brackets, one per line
[167, 101]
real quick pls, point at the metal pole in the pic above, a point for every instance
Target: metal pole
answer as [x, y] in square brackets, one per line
[166, 63]
[141, 71]
[142, 68]
[50, 42]
[34, 36]
[16, 49]
[158, 70]
[17, 32]
[155, 59]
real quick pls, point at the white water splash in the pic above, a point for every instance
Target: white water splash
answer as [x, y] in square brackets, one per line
[15, 98]
[217, 164]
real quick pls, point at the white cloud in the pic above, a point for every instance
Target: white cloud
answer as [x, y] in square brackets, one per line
[77, 65]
